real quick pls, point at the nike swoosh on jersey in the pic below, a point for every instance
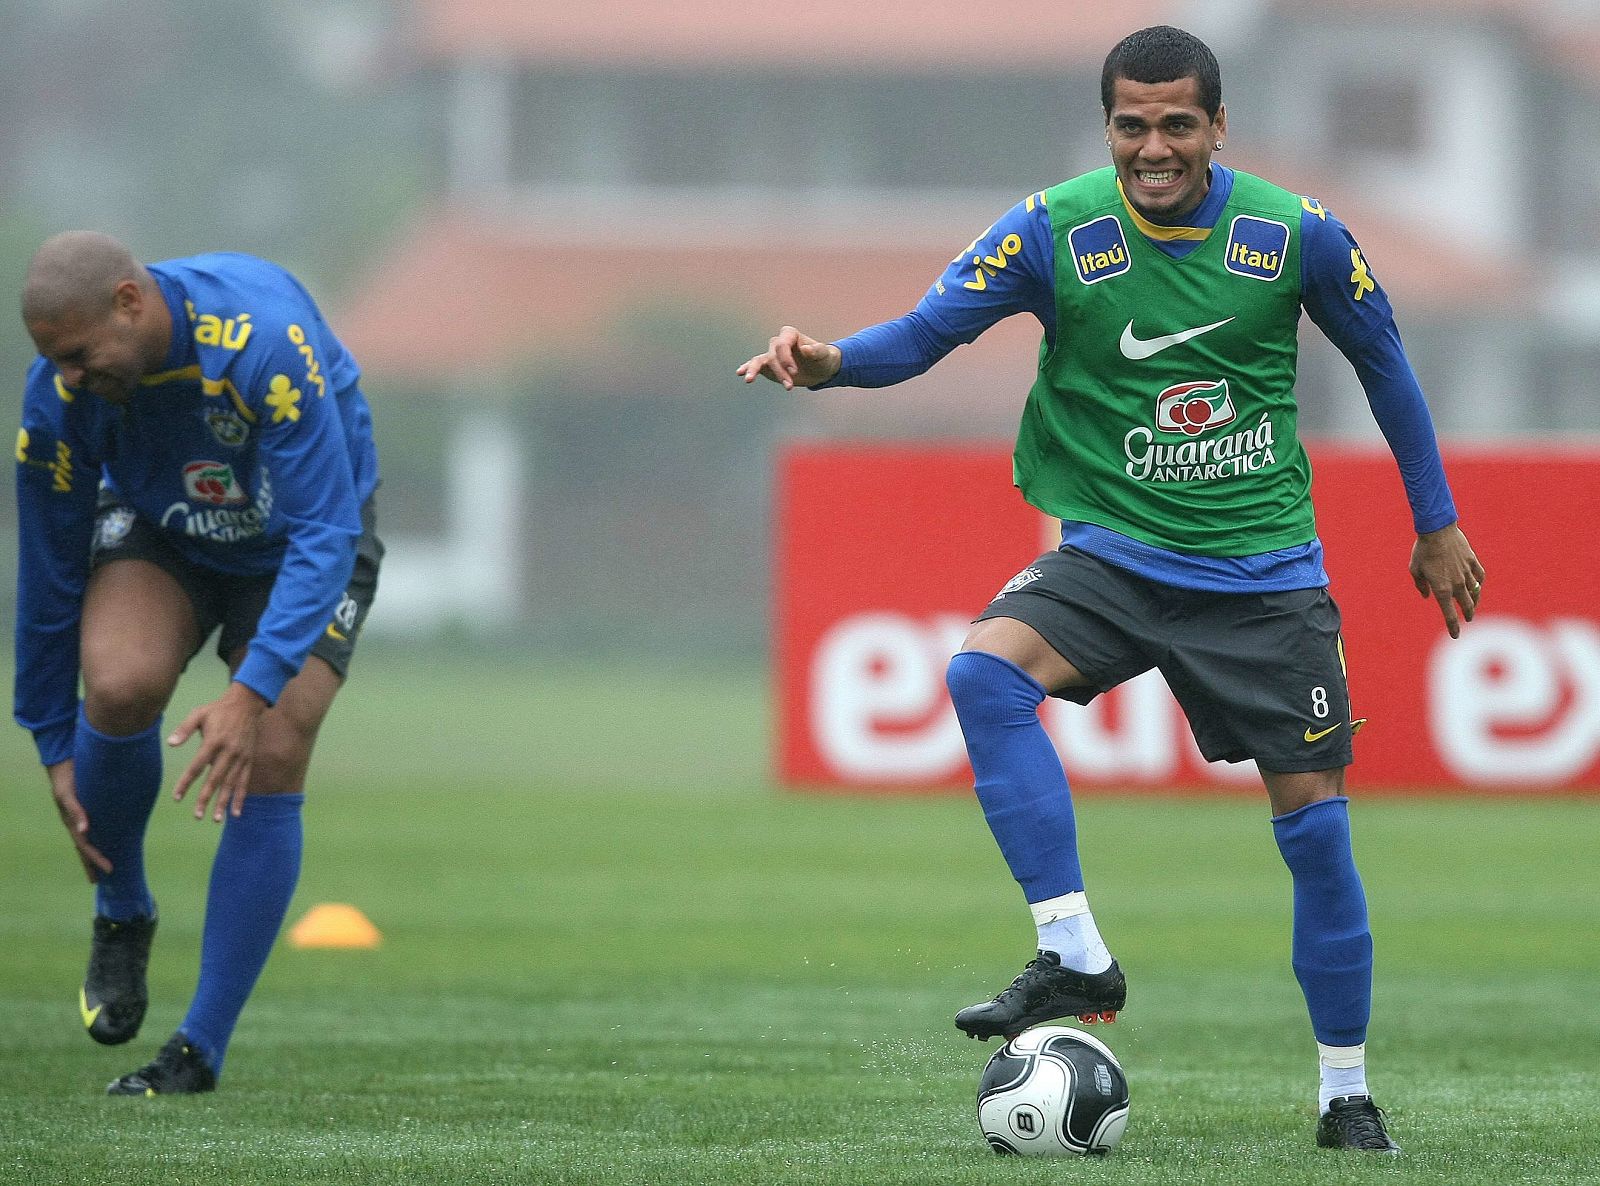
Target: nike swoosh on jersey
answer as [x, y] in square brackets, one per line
[1138, 349]
[1310, 736]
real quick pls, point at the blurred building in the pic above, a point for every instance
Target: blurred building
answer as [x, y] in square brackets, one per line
[818, 166]
[550, 233]
[1475, 124]
[720, 168]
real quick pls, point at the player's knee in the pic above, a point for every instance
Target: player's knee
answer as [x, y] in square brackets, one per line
[283, 751]
[122, 701]
[987, 689]
[278, 770]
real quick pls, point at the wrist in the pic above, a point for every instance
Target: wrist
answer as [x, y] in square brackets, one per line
[59, 775]
[244, 694]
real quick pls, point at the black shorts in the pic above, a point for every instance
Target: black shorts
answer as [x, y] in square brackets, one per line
[236, 601]
[1259, 675]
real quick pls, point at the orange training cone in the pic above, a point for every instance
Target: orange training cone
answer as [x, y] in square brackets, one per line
[334, 924]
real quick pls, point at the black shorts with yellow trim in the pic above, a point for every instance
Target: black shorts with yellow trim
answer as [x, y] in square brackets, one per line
[1259, 675]
[235, 601]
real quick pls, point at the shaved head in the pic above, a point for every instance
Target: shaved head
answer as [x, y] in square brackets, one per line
[77, 272]
[96, 313]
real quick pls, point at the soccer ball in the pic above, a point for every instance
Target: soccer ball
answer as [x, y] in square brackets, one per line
[1053, 1091]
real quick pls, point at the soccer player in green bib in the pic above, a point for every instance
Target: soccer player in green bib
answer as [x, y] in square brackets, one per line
[1162, 432]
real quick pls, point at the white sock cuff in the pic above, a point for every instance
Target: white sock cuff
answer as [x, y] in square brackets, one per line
[1054, 909]
[1342, 1057]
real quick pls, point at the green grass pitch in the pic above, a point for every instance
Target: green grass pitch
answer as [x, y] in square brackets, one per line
[614, 954]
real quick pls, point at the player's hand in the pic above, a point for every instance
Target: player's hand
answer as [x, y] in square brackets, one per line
[227, 728]
[1444, 567]
[63, 788]
[792, 358]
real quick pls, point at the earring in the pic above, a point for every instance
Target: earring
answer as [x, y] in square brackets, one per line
[1219, 145]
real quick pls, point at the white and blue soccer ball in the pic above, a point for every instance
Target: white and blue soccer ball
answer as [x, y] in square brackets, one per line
[1053, 1091]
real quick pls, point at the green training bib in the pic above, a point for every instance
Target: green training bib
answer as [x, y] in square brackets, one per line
[1166, 409]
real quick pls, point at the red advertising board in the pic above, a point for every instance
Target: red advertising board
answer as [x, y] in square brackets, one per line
[883, 554]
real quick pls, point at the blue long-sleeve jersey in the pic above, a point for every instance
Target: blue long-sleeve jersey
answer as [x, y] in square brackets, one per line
[1338, 291]
[251, 448]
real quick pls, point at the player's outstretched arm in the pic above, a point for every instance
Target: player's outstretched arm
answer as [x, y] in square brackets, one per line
[1444, 567]
[792, 358]
[64, 789]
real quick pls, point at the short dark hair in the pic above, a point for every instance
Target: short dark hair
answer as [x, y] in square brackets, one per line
[1162, 53]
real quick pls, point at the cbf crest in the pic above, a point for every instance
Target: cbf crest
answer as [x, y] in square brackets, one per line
[1099, 249]
[1021, 581]
[112, 527]
[228, 428]
[1257, 247]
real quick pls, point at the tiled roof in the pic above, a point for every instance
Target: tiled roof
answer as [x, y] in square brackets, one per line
[805, 37]
[465, 289]
[475, 293]
[893, 34]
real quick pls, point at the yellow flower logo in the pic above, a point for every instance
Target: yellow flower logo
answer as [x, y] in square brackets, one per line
[282, 398]
[1361, 278]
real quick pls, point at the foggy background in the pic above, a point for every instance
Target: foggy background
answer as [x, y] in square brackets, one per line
[549, 235]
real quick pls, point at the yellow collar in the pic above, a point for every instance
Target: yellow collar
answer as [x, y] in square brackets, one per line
[1167, 234]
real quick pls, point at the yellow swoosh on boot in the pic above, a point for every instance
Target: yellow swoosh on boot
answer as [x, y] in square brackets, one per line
[90, 1016]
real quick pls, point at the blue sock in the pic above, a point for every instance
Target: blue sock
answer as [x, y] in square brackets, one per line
[252, 879]
[1332, 952]
[1018, 774]
[118, 779]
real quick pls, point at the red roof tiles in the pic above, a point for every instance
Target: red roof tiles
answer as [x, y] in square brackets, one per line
[807, 37]
[477, 291]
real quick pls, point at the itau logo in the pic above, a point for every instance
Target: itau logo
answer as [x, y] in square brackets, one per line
[1193, 408]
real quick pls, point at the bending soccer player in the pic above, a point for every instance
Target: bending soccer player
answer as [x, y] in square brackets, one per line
[195, 456]
[1161, 431]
